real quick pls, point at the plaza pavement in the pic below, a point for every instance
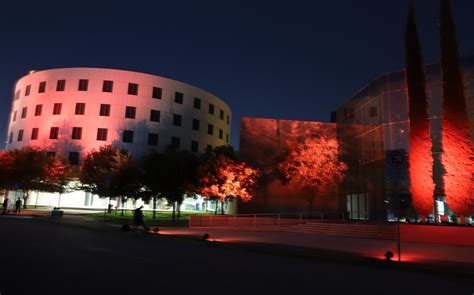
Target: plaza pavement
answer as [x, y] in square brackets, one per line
[454, 257]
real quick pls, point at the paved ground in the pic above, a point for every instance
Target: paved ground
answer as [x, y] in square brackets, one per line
[39, 257]
[411, 251]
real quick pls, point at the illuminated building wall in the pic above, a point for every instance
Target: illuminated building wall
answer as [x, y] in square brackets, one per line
[70, 111]
[74, 110]
[376, 119]
[264, 144]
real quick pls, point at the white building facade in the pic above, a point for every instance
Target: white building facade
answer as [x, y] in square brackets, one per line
[71, 111]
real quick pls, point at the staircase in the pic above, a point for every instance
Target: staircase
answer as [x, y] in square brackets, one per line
[360, 230]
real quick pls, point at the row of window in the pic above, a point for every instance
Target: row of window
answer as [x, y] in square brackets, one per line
[130, 113]
[349, 113]
[74, 157]
[127, 135]
[108, 86]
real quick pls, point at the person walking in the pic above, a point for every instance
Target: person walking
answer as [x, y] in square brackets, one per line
[138, 218]
[5, 205]
[18, 206]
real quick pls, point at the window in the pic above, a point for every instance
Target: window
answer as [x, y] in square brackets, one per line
[156, 92]
[228, 119]
[104, 110]
[155, 116]
[80, 108]
[221, 115]
[61, 85]
[132, 89]
[28, 90]
[57, 109]
[130, 112]
[127, 136]
[197, 103]
[196, 124]
[34, 133]
[178, 97]
[373, 112]
[20, 135]
[50, 154]
[23, 112]
[74, 158]
[42, 87]
[175, 142]
[38, 109]
[76, 133]
[14, 116]
[10, 139]
[194, 146]
[209, 148]
[83, 85]
[153, 139]
[177, 120]
[221, 133]
[102, 134]
[227, 137]
[53, 133]
[211, 109]
[210, 129]
[108, 86]
[17, 95]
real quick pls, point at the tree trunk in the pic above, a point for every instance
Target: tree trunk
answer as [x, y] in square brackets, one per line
[217, 205]
[154, 207]
[310, 203]
[59, 200]
[222, 208]
[179, 210]
[25, 198]
[173, 216]
[122, 200]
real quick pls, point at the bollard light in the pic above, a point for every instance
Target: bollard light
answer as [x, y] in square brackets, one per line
[388, 255]
[206, 237]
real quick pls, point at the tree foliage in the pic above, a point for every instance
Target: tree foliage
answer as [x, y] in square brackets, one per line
[312, 166]
[222, 176]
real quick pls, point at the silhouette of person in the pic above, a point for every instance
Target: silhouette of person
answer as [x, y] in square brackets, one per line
[5, 205]
[18, 206]
[138, 217]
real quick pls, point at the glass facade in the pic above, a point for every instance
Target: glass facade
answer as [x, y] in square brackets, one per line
[376, 120]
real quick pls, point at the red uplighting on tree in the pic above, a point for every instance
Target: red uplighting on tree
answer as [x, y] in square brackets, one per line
[457, 154]
[225, 178]
[420, 157]
[313, 167]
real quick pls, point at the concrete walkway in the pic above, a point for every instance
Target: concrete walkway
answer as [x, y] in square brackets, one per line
[425, 253]
[373, 248]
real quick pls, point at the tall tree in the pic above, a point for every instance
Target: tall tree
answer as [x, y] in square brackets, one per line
[313, 167]
[110, 172]
[26, 169]
[420, 155]
[457, 156]
[222, 176]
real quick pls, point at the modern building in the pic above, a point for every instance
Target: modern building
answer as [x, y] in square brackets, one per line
[368, 126]
[71, 111]
[374, 121]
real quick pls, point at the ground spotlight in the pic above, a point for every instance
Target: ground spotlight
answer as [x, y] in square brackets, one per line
[206, 237]
[156, 230]
[388, 255]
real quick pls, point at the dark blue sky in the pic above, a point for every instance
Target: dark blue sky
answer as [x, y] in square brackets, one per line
[279, 59]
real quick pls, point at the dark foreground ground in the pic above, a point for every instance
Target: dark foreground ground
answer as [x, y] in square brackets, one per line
[38, 257]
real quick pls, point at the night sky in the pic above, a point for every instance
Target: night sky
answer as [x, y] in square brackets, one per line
[277, 59]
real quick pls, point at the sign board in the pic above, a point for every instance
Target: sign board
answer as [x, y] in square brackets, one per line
[396, 166]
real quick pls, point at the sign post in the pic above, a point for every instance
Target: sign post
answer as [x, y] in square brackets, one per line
[396, 172]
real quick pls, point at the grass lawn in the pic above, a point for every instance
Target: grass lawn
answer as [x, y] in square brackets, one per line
[163, 218]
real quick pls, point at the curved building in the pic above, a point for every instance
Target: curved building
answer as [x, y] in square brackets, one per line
[70, 111]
